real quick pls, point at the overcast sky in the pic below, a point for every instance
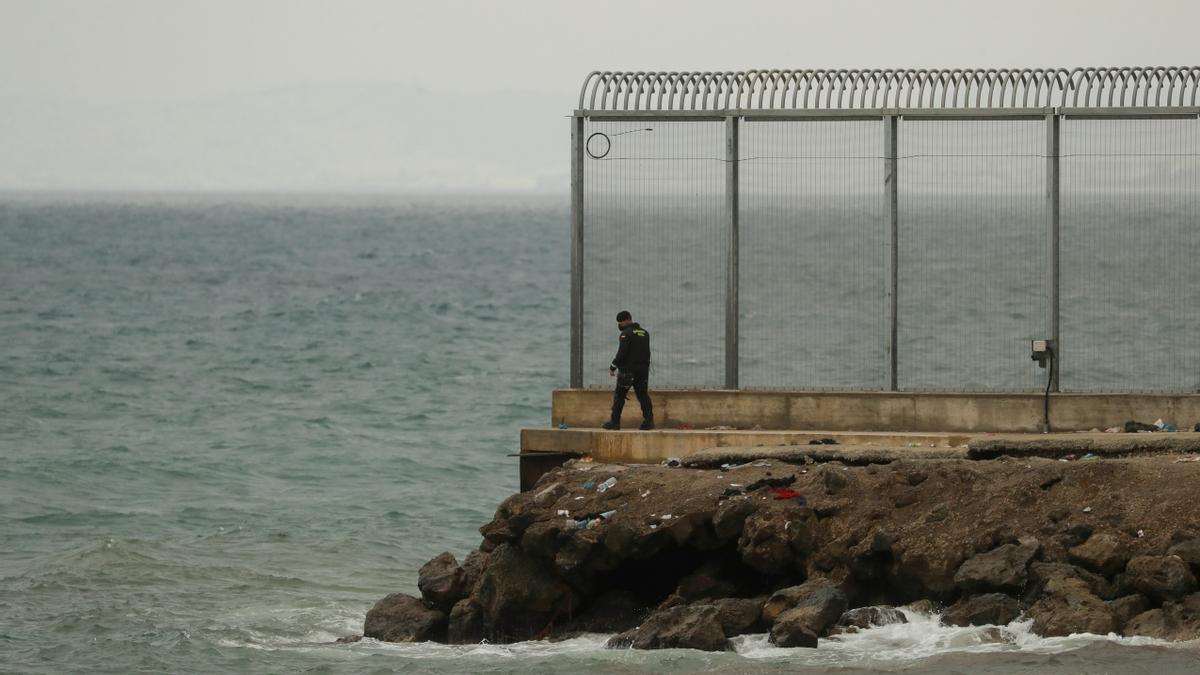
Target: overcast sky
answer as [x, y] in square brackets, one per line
[165, 75]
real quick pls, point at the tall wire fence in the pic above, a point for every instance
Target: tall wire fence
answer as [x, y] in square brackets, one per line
[909, 250]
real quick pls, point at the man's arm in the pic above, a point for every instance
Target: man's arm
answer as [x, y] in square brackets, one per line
[622, 353]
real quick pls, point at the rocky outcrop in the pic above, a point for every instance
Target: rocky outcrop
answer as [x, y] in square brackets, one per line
[679, 557]
[403, 618]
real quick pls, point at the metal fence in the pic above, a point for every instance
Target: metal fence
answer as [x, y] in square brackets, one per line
[891, 230]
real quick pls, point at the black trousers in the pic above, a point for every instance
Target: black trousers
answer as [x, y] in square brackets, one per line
[639, 379]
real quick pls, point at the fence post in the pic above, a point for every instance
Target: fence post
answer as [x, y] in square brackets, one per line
[577, 141]
[731, 287]
[1054, 196]
[892, 218]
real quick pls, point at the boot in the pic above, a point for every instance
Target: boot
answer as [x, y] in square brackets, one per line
[647, 424]
[611, 426]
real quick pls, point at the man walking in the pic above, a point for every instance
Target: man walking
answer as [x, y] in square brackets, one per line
[631, 366]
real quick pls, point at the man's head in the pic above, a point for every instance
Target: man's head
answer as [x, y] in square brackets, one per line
[624, 318]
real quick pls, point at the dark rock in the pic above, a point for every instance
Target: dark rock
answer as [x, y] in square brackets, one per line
[1102, 553]
[1126, 607]
[520, 595]
[739, 616]
[1165, 577]
[403, 618]
[1067, 606]
[865, 617]
[927, 571]
[546, 496]
[683, 627]
[442, 582]
[1002, 569]
[348, 639]
[466, 623]
[1174, 621]
[982, 610]
[612, 612]
[817, 604]
[792, 631]
[1042, 572]
[730, 517]
[1189, 551]
[495, 533]
[704, 583]
[474, 565]
[775, 544]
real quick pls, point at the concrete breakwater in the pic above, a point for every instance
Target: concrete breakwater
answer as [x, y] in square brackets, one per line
[803, 549]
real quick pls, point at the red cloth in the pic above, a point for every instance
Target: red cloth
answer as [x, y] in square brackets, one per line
[785, 493]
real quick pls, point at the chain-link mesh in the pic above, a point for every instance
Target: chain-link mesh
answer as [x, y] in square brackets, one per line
[1130, 255]
[656, 243]
[972, 254]
[812, 244]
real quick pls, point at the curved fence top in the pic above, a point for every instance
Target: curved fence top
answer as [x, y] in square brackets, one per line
[1115, 87]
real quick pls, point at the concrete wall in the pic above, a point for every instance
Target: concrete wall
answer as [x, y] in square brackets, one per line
[878, 411]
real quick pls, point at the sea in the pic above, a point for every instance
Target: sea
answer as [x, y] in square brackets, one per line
[231, 423]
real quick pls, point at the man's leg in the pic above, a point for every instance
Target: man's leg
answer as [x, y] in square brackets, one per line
[619, 394]
[641, 386]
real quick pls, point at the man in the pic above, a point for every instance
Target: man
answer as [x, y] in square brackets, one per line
[631, 366]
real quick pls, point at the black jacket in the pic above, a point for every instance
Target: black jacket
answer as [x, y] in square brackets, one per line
[634, 351]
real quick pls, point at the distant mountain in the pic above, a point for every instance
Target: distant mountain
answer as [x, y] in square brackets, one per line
[385, 138]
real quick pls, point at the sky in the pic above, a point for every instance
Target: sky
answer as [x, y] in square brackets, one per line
[379, 95]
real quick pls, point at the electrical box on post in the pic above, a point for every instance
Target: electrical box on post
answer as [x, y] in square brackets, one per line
[1041, 351]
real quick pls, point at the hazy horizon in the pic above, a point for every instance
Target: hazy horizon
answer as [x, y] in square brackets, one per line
[370, 96]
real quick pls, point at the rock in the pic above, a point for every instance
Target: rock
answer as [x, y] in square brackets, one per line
[815, 604]
[730, 517]
[348, 639]
[1102, 553]
[1042, 572]
[982, 610]
[1174, 621]
[865, 617]
[466, 623]
[403, 618]
[520, 595]
[612, 612]
[1068, 606]
[474, 565]
[1164, 577]
[926, 571]
[1189, 551]
[1126, 607]
[791, 631]
[546, 496]
[442, 582]
[683, 627]
[773, 543]
[739, 616]
[1002, 569]
[815, 592]
[704, 583]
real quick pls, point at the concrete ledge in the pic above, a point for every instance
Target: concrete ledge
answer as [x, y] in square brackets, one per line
[881, 411]
[652, 447]
[808, 454]
[1061, 445]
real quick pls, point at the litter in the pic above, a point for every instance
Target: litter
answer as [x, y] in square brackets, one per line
[564, 512]
[603, 487]
[1089, 458]
[562, 425]
[1194, 458]
[1135, 427]
[589, 485]
[666, 516]
[673, 462]
[782, 494]
[771, 483]
[645, 494]
[1141, 533]
[608, 514]
[654, 527]
[1197, 427]
[1087, 509]
[1113, 430]
[822, 441]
